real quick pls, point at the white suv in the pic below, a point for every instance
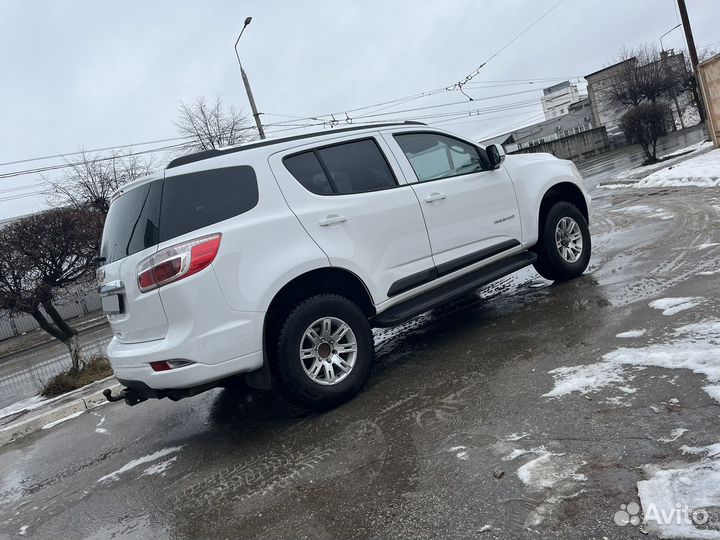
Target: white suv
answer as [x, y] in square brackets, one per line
[273, 260]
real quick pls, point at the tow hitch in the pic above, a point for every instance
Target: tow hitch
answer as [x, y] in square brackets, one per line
[130, 396]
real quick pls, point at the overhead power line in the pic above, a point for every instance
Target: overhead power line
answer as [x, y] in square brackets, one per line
[459, 85]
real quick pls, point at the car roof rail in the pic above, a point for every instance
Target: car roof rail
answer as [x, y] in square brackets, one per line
[215, 152]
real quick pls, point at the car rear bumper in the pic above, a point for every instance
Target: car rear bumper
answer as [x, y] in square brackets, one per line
[192, 375]
[216, 351]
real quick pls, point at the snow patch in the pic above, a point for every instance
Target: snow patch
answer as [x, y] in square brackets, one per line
[516, 436]
[675, 434]
[668, 491]
[671, 306]
[25, 405]
[547, 470]
[23, 530]
[696, 348]
[614, 186]
[701, 171]
[516, 453]
[584, 378]
[61, 420]
[99, 429]
[159, 468]
[708, 245]
[711, 450]
[631, 333]
[115, 475]
[462, 455]
[644, 211]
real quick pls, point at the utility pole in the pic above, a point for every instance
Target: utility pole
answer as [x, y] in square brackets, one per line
[246, 82]
[693, 54]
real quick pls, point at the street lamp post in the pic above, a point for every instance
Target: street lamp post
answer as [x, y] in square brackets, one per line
[251, 99]
[665, 34]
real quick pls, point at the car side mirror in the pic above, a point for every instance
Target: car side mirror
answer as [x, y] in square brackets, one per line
[496, 155]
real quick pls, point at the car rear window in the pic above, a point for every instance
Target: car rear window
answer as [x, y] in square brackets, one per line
[132, 223]
[164, 209]
[196, 200]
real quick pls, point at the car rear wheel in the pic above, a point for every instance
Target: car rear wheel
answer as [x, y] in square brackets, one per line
[563, 247]
[325, 351]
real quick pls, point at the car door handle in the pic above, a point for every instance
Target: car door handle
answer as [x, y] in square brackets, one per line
[331, 220]
[434, 197]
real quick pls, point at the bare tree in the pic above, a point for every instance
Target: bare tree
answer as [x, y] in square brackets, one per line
[643, 75]
[644, 82]
[45, 253]
[92, 178]
[212, 125]
[644, 125]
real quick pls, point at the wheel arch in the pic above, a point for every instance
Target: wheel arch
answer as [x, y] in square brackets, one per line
[332, 280]
[562, 191]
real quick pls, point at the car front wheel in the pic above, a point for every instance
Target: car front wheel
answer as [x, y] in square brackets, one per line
[563, 247]
[325, 351]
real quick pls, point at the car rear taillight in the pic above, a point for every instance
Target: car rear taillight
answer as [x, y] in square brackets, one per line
[177, 262]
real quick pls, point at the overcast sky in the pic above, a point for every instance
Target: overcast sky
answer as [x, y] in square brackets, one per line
[94, 74]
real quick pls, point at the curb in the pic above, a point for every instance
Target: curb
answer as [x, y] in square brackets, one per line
[20, 429]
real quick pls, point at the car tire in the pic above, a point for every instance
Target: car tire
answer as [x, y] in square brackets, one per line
[311, 365]
[563, 248]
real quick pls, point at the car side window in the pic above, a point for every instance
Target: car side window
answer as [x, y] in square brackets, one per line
[434, 156]
[307, 170]
[342, 169]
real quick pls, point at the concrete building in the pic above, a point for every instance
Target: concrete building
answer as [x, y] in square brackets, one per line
[604, 112]
[570, 136]
[600, 83]
[576, 120]
[556, 99]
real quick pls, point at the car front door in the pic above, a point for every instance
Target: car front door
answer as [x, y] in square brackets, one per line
[470, 209]
[366, 219]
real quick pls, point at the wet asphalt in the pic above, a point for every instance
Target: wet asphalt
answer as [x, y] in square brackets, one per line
[424, 451]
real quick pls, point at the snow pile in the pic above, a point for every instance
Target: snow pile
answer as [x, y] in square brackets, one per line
[115, 475]
[639, 172]
[671, 306]
[674, 500]
[701, 171]
[696, 347]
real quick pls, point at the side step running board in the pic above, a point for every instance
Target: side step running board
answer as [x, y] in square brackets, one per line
[412, 307]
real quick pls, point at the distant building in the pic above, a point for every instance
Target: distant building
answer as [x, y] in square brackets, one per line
[576, 120]
[600, 84]
[556, 99]
[599, 88]
[570, 136]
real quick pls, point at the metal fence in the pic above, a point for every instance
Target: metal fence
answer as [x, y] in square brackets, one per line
[24, 376]
[74, 305]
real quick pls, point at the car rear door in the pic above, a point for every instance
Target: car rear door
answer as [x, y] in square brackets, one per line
[471, 212]
[366, 219]
[131, 235]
